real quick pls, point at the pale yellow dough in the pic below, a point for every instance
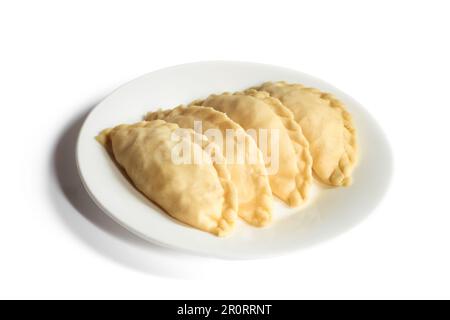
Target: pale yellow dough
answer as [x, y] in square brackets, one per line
[257, 110]
[249, 177]
[327, 126]
[200, 195]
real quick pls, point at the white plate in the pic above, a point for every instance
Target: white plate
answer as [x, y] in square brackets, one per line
[329, 212]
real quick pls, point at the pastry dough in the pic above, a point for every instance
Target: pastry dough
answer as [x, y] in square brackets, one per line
[327, 126]
[249, 176]
[257, 110]
[201, 195]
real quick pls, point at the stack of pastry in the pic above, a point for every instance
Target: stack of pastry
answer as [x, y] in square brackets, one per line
[315, 136]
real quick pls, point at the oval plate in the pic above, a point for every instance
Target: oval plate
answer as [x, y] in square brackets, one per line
[329, 212]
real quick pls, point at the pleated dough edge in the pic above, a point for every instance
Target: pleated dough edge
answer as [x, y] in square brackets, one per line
[341, 176]
[302, 187]
[303, 180]
[264, 209]
[229, 211]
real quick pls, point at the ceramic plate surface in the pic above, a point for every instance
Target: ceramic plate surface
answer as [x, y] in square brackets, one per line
[328, 213]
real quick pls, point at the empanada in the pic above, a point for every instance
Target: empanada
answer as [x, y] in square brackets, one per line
[247, 169]
[254, 110]
[327, 126]
[199, 194]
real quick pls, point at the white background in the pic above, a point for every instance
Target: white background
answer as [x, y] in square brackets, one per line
[59, 58]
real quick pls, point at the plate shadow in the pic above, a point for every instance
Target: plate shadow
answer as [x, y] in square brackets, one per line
[89, 223]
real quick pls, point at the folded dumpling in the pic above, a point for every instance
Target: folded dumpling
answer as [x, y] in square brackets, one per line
[327, 126]
[287, 157]
[247, 168]
[199, 193]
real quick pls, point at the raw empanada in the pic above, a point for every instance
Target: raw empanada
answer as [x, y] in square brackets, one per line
[247, 169]
[199, 194]
[255, 110]
[327, 126]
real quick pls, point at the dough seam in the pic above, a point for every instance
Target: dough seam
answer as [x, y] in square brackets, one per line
[263, 210]
[228, 220]
[351, 146]
[342, 174]
[304, 178]
[229, 211]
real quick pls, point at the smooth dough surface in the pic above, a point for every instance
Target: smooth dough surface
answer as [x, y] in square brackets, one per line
[201, 195]
[327, 126]
[257, 110]
[248, 171]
